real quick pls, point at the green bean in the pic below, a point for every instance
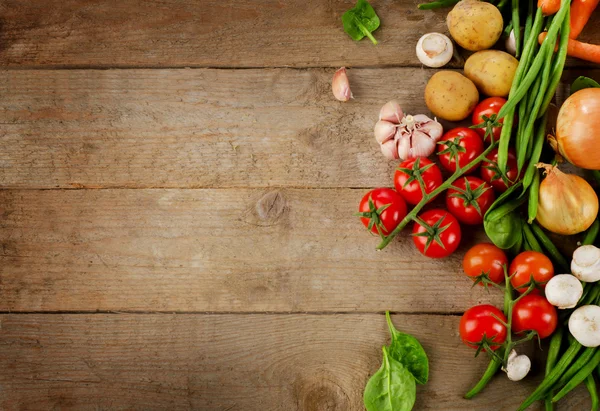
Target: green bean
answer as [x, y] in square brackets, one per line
[516, 23]
[537, 152]
[591, 296]
[526, 245]
[533, 242]
[491, 370]
[551, 378]
[555, 255]
[528, 21]
[591, 234]
[581, 375]
[559, 62]
[583, 359]
[538, 62]
[534, 192]
[522, 68]
[533, 110]
[590, 383]
[504, 209]
[437, 4]
[553, 351]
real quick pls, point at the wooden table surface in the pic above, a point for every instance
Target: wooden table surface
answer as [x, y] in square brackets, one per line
[176, 222]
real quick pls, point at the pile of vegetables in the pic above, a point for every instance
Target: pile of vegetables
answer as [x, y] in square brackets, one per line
[503, 171]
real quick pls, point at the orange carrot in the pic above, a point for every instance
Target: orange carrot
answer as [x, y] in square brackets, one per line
[549, 7]
[581, 10]
[580, 50]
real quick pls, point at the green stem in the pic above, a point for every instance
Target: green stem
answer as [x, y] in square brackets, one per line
[429, 196]
[366, 32]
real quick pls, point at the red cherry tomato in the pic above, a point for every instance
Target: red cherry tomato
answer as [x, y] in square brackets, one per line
[462, 145]
[411, 191]
[470, 200]
[488, 108]
[491, 173]
[483, 321]
[528, 264]
[444, 237]
[379, 219]
[534, 312]
[485, 258]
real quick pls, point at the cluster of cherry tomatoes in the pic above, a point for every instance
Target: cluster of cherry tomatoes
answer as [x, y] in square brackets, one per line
[532, 312]
[437, 233]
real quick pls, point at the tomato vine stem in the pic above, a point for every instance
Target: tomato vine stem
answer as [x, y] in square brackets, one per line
[460, 171]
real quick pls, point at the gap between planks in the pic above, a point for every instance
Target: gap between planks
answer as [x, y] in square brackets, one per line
[274, 313]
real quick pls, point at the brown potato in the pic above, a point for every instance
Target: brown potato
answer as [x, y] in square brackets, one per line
[475, 25]
[492, 71]
[450, 95]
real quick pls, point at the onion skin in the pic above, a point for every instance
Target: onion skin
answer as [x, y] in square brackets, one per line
[567, 203]
[578, 129]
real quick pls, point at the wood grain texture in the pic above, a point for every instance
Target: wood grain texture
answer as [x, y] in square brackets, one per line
[211, 33]
[232, 362]
[197, 128]
[214, 250]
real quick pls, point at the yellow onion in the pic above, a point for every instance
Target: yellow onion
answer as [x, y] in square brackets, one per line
[567, 204]
[578, 129]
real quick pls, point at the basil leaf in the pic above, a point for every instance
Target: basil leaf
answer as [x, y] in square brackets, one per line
[505, 231]
[582, 82]
[391, 388]
[360, 21]
[408, 351]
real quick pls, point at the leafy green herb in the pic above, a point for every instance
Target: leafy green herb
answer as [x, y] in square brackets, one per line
[407, 350]
[505, 231]
[582, 82]
[392, 388]
[361, 21]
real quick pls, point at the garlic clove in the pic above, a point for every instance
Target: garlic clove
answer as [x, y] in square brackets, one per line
[434, 50]
[429, 126]
[384, 130]
[389, 150]
[517, 367]
[586, 263]
[341, 86]
[403, 143]
[422, 144]
[392, 112]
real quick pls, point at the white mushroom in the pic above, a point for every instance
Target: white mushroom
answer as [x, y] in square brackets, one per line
[584, 325]
[434, 49]
[563, 291]
[586, 263]
[517, 367]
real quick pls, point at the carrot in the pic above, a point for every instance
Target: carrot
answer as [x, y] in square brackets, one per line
[549, 7]
[580, 50]
[581, 10]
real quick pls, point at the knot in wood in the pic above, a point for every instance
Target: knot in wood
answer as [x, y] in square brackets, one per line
[323, 395]
[270, 206]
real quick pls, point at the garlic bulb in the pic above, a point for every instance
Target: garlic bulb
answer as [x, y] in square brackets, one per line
[405, 136]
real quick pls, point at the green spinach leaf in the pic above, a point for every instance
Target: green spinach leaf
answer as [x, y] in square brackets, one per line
[504, 231]
[582, 82]
[392, 388]
[360, 21]
[408, 351]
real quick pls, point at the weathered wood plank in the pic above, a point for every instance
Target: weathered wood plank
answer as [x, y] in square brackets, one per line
[201, 33]
[231, 362]
[197, 128]
[214, 250]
